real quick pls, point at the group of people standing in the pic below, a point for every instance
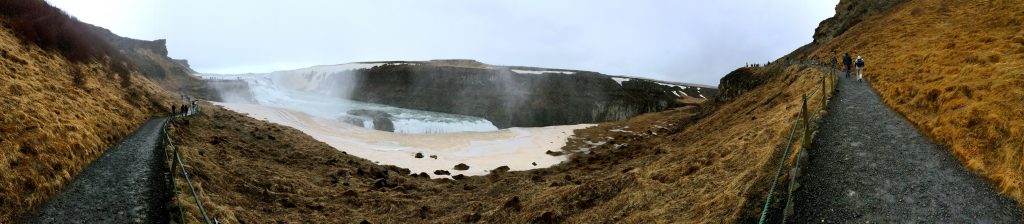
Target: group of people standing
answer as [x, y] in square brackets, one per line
[190, 107]
[848, 62]
[749, 65]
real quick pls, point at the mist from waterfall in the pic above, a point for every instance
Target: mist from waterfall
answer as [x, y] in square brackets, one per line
[324, 91]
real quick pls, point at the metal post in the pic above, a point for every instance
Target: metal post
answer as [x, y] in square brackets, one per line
[824, 94]
[806, 139]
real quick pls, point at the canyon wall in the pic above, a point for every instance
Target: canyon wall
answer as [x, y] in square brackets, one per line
[518, 99]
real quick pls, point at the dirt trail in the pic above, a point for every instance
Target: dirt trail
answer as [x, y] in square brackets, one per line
[869, 164]
[126, 184]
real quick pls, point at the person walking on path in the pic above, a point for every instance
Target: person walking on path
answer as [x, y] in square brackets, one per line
[860, 68]
[183, 109]
[847, 61]
[834, 62]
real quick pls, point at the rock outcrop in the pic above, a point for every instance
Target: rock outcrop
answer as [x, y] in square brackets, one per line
[737, 82]
[849, 13]
[151, 59]
[381, 120]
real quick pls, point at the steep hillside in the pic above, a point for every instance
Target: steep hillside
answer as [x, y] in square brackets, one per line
[65, 96]
[151, 60]
[956, 70]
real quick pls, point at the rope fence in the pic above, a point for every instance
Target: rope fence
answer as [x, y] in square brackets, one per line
[176, 161]
[827, 87]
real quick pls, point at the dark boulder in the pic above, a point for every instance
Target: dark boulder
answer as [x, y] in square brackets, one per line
[352, 120]
[500, 169]
[381, 120]
[514, 204]
[555, 153]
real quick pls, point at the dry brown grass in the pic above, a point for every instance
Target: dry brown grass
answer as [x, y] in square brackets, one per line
[52, 126]
[956, 70]
[711, 170]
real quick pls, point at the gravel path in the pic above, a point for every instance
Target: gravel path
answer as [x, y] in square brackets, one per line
[869, 164]
[126, 184]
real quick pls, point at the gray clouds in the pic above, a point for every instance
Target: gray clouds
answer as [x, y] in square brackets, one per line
[687, 41]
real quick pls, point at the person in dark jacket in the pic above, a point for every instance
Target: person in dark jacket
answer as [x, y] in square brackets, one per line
[183, 109]
[847, 61]
[173, 109]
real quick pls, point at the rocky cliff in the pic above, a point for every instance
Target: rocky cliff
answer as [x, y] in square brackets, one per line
[848, 14]
[151, 59]
[517, 98]
[737, 82]
[507, 96]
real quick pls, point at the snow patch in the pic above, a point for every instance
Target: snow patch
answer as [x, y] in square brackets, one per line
[329, 69]
[623, 130]
[673, 85]
[620, 80]
[541, 72]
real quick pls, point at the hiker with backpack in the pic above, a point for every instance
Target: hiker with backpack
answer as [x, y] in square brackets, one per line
[847, 62]
[860, 68]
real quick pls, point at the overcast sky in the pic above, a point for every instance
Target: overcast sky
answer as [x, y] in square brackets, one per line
[685, 41]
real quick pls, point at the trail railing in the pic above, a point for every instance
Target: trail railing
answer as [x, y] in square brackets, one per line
[176, 161]
[802, 122]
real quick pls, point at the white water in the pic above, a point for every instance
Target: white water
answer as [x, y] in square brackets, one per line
[312, 100]
[321, 91]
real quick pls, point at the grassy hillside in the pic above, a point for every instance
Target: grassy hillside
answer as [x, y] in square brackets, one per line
[956, 70]
[62, 105]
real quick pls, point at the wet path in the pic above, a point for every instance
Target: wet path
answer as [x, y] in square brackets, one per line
[869, 164]
[127, 184]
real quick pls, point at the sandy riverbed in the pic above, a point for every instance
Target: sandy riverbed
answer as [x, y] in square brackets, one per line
[517, 148]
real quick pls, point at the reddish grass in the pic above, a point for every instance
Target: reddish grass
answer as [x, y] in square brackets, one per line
[954, 69]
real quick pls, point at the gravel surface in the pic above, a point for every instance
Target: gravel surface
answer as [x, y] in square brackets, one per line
[126, 184]
[868, 164]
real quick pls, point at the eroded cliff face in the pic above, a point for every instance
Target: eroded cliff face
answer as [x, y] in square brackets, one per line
[517, 99]
[849, 13]
[150, 58]
[507, 96]
[738, 82]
